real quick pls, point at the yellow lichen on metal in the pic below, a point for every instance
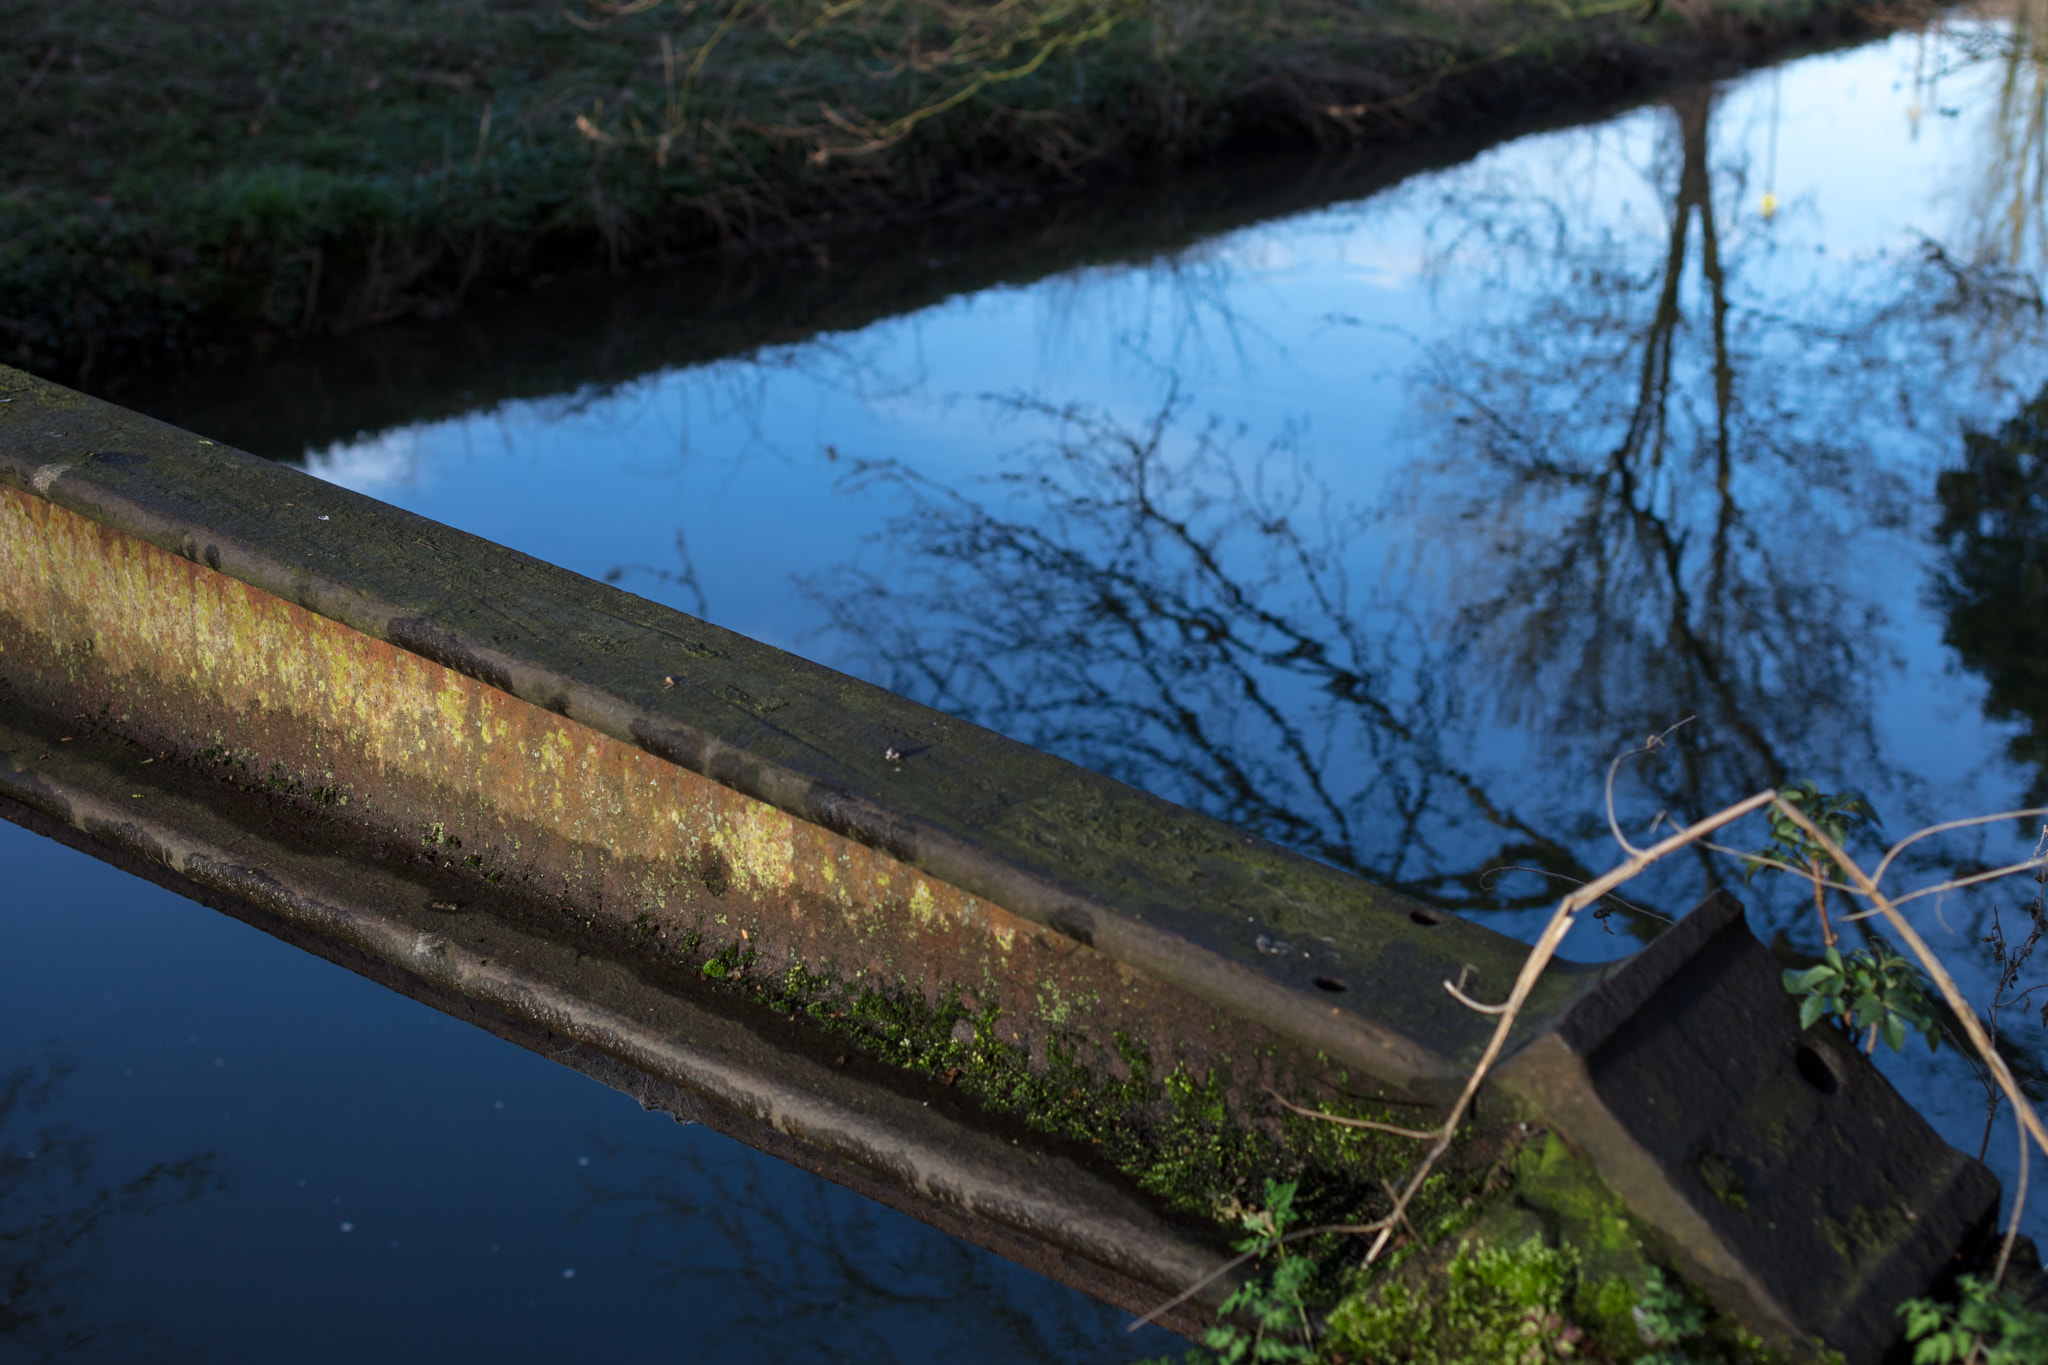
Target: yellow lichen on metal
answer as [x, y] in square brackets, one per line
[416, 745]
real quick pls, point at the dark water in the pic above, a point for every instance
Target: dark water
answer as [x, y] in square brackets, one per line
[215, 1147]
[1377, 527]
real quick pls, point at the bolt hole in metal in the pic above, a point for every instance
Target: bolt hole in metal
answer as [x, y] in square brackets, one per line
[1331, 984]
[1819, 1073]
[1428, 918]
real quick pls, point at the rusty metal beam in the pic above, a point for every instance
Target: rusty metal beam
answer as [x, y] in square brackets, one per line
[323, 704]
[747, 1073]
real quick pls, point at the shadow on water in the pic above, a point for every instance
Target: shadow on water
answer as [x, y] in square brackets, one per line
[54, 1214]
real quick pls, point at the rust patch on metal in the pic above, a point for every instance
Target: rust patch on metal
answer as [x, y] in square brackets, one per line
[516, 797]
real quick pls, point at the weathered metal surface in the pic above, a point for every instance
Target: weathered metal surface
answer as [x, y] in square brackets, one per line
[1779, 1162]
[391, 745]
[566, 761]
[698, 1057]
[1179, 897]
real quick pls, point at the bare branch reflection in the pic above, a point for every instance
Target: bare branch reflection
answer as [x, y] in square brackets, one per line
[1649, 496]
[1151, 602]
[1629, 521]
[53, 1214]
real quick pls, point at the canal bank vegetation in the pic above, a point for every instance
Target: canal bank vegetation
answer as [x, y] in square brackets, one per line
[1480, 1240]
[1552, 1269]
[200, 180]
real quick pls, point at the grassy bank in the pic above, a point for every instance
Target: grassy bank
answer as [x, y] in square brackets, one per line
[198, 180]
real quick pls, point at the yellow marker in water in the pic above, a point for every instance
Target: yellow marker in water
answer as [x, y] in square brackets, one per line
[1770, 207]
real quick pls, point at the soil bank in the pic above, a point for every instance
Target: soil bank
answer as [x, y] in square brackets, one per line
[187, 184]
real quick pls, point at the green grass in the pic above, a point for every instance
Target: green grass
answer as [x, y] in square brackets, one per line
[201, 178]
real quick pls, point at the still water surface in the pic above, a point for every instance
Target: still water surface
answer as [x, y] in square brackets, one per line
[215, 1147]
[1377, 528]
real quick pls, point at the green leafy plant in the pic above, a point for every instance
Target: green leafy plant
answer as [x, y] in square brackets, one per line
[1274, 1304]
[1279, 1333]
[1841, 815]
[1875, 991]
[1984, 1327]
[1667, 1318]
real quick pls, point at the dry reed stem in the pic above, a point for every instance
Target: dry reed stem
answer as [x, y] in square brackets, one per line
[2019, 1201]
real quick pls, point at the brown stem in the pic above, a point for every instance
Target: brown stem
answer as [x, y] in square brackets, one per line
[1820, 905]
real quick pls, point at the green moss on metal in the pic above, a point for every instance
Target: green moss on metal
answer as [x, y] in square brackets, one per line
[1192, 1141]
[1493, 1304]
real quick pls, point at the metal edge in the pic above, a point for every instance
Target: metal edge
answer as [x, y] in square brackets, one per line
[871, 1133]
[1160, 931]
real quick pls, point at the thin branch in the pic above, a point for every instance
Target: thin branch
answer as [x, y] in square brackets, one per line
[1300, 1234]
[2019, 1204]
[1485, 884]
[1377, 1127]
[1469, 1003]
[1805, 874]
[1956, 884]
[1944, 827]
[1648, 746]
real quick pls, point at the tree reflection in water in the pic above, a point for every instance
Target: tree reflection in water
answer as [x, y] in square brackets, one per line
[1160, 607]
[1650, 495]
[1993, 584]
[1635, 517]
[52, 1218]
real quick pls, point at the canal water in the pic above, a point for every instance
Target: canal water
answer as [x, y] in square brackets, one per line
[1377, 525]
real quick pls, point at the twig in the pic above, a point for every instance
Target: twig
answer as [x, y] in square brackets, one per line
[1648, 746]
[1485, 883]
[1299, 1234]
[29, 87]
[483, 136]
[1945, 827]
[1805, 874]
[1377, 1127]
[1469, 1003]
[1955, 884]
